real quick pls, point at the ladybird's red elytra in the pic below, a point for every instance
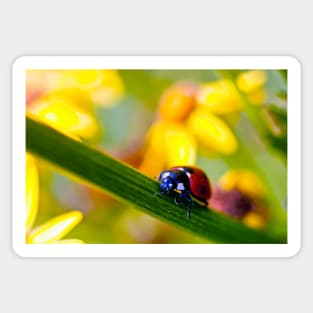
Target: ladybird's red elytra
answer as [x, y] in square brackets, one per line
[199, 183]
[190, 181]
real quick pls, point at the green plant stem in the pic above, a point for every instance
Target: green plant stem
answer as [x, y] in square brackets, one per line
[130, 186]
[284, 75]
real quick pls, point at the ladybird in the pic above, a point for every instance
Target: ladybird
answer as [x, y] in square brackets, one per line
[191, 183]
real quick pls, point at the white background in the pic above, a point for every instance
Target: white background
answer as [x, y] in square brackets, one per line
[164, 28]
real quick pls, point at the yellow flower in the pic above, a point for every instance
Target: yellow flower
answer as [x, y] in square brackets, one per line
[252, 83]
[245, 181]
[153, 162]
[219, 97]
[251, 80]
[254, 220]
[168, 144]
[183, 123]
[257, 96]
[101, 87]
[180, 145]
[32, 191]
[65, 99]
[56, 228]
[177, 102]
[61, 114]
[212, 132]
[249, 185]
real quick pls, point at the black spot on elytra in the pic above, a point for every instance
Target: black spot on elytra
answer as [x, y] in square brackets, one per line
[203, 190]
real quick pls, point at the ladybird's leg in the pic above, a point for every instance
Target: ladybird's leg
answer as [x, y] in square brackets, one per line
[185, 196]
[182, 196]
[190, 201]
[178, 199]
[160, 193]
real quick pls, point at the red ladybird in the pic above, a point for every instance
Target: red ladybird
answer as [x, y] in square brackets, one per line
[190, 181]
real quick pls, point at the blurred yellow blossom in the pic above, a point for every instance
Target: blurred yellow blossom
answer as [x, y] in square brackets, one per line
[176, 140]
[101, 87]
[240, 193]
[177, 147]
[177, 102]
[252, 83]
[65, 99]
[56, 228]
[257, 97]
[61, 114]
[212, 132]
[251, 80]
[243, 180]
[32, 191]
[153, 162]
[182, 123]
[180, 146]
[254, 220]
[220, 97]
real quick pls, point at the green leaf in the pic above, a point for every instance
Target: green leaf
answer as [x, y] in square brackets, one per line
[130, 186]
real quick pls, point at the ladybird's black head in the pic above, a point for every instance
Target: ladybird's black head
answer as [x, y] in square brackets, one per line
[168, 184]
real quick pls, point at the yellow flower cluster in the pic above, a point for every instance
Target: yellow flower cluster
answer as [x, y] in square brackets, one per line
[65, 99]
[56, 228]
[189, 115]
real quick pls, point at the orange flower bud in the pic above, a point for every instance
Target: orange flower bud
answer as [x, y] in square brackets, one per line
[177, 102]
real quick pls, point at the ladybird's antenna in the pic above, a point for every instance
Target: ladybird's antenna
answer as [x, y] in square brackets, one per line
[157, 193]
[160, 193]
